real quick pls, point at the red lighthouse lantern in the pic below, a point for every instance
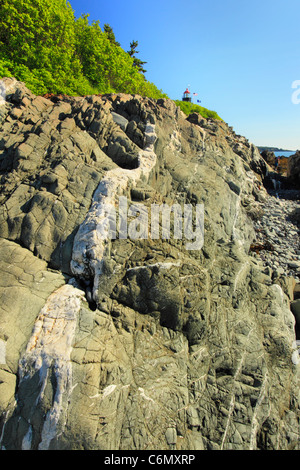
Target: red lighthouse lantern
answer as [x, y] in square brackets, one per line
[186, 95]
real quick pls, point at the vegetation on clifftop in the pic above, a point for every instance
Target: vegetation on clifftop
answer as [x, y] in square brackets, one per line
[45, 46]
[189, 108]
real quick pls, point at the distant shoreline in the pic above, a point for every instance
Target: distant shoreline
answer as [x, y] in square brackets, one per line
[274, 149]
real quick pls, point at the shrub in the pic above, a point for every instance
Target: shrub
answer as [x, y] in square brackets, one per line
[189, 108]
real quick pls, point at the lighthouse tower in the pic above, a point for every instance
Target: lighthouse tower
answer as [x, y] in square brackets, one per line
[186, 96]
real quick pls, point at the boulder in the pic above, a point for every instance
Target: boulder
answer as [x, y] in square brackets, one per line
[293, 171]
[295, 307]
[269, 157]
[120, 120]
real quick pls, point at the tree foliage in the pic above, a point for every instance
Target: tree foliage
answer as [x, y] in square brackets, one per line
[44, 45]
[136, 62]
[110, 34]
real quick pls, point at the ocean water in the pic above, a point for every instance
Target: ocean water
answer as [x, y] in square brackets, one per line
[284, 154]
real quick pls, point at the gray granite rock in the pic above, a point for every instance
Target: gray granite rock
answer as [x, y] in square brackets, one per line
[133, 344]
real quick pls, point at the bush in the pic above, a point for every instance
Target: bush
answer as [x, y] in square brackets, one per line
[189, 108]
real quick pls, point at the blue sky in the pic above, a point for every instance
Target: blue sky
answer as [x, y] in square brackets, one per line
[241, 57]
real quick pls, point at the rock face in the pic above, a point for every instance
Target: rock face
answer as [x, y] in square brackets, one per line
[136, 342]
[269, 157]
[282, 164]
[294, 169]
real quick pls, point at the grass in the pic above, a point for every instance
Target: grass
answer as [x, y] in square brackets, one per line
[189, 108]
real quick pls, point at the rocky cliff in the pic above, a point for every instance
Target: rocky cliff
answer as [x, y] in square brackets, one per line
[141, 342]
[293, 172]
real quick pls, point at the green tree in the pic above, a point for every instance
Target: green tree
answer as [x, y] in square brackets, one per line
[110, 34]
[40, 35]
[136, 62]
[45, 46]
[106, 65]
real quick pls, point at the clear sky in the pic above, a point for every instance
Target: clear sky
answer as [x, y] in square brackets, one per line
[241, 57]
